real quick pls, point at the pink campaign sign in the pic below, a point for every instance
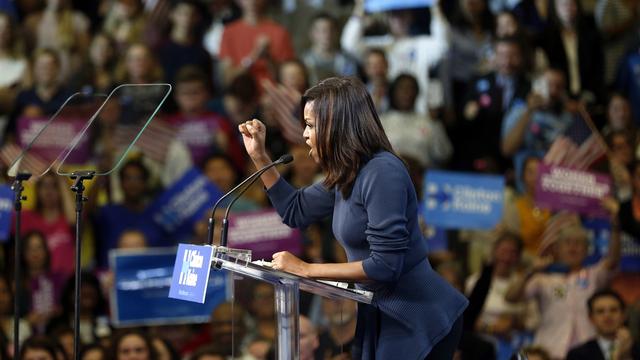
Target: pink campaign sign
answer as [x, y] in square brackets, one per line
[55, 139]
[263, 233]
[561, 188]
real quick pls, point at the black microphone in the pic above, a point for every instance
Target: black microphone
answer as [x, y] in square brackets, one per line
[284, 159]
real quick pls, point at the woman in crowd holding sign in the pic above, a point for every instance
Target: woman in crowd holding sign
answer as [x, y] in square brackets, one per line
[415, 314]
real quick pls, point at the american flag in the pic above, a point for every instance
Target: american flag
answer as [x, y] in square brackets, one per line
[558, 221]
[579, 147]
[154, 141]
[29, 163]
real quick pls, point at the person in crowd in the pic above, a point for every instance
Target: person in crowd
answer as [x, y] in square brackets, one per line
[616, 20]
[390, 248]
[469, 51]
[533, 353]
[53, 216]
[132, 344]
[621, 144]
[7, 317]
[406, 53]
[613, 340]
[253, 43]
[497, 317]
[132, 239]
[629, 217]
[126, 22]
[222, 171]
[93, 351]
[522, 216]
[325, 58]
[562, 290]
[98, 72]
[533, 15]
[93, 305]
[222, 12]
[38, 348]
[15, 70]
[412, 133]
[140, 66]
[207, 352]
[164, 349]
[619, 115]
[308, 339]
[488, 100]
[59, 26]
[201, 130]
[241, 100]
[48, 92]
[42, 286]
[262, 311]
[281, 101]
[572, 43]
[337, 338]
[376, 69]
[112, 219]
[530, 127]
[183, 46]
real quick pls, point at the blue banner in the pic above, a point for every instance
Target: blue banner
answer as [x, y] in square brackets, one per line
[178, 209]
[6, 208]
[141, 290]
[599, 234]
[463, 200]
[384, 5]
[191, 273]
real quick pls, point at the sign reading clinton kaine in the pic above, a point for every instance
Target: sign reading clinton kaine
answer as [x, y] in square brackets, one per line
[143, 284]
[463, 200]
[185, 202]
[385, 5]
[191, 273]
[6, 208]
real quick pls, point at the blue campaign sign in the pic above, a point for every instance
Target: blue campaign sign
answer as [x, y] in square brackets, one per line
[185, 202]
[455, 200]
[599, 234]
[191, 273]
[384, 5]
[6, 207]
[140, 294]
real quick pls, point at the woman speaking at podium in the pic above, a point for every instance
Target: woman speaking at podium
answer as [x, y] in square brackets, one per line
[415, 314]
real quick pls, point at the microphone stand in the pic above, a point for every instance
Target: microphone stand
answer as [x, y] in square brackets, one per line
[78, 188]
[17, 206]
[284, 159]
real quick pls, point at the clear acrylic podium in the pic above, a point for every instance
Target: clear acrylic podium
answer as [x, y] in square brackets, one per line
[287, 287]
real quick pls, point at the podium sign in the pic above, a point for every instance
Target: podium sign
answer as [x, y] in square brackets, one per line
[191, 273]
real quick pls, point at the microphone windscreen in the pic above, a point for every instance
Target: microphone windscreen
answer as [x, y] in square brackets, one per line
[285, 159]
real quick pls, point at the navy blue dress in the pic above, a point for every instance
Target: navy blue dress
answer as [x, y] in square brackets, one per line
[413, 307]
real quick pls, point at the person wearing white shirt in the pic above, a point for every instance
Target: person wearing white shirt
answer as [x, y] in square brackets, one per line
[414, 55]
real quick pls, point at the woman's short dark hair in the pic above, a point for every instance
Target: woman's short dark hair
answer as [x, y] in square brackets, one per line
[604, 293]
[348, 129]
[39, 342]
[394, 87]
[119, 337]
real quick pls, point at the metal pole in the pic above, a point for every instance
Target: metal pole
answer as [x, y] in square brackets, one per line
[287, 313]
[17, 205]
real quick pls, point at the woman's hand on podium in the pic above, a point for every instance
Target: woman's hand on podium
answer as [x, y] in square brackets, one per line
[288, 262]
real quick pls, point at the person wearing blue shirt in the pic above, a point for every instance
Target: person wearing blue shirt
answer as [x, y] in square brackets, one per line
[415, 314]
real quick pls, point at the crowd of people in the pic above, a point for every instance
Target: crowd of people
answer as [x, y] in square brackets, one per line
[480, 86]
